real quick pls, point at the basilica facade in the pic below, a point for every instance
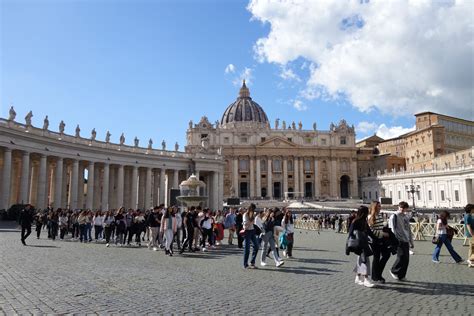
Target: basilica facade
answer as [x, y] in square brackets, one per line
[279, 162]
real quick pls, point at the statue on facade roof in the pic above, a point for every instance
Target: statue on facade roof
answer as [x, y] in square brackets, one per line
[122, 139]
[45, 123]
[314, 126]
[176, 146]
[283, 125]
[78, 131]
[277, 123]
[28, 118]
[62, 125]
[300, 126]
[150, 143]
[107, 137]
[163, 145]
[190, 124]
[293, 125]
[11, 114]
[93, 134]
[332, 127]
[216, 124]
[136, 141]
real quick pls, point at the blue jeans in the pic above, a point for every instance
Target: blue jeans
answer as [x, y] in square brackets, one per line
[443, 239]
[250, 237]
[89, 231]
[83, 232]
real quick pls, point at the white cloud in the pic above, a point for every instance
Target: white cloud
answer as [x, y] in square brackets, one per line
[400, 57]
[288, 74]
[364, 129]
[299, 105]
[229, 69]
[246, 74]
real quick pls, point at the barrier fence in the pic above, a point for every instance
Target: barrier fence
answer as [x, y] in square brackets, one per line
[420, 230]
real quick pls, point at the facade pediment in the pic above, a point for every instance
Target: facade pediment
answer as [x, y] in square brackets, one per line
[276, 142]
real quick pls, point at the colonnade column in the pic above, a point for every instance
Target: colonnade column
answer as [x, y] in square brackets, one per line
[235, 177]
[74, 184]
[25, 177]
[215, 190]
[302, 177]
[252, 177]
[148, 197]
[58, 184]
[120, 185]
[41, 192]
[259, 178]
[285, 177]
[296, 177]
[220, 196]
[162, 186]
[316, 178]
[269, 178]
[80, 184]
[7, 174]
[133, 190]
[176, 179]
[105, 188]
[355, 183]
[156, 182]
[90, 186]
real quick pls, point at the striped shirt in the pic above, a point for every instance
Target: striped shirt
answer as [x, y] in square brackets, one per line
[377, 227]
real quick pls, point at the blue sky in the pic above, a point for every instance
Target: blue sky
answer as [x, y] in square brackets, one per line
[146, 68]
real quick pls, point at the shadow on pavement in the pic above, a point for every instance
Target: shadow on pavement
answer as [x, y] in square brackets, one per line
[42, 246]
[321, 261]
[429, 288]
[312, 249]
[301, 270]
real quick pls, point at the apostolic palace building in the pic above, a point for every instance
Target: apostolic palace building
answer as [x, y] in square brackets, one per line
[262, 161]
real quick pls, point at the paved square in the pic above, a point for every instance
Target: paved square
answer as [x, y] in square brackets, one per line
[70, 277]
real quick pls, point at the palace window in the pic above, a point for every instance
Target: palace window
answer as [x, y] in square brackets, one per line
[323, 141]
[244, 164]
[456, 195]
[290, 165]
[442, 195]
[263, 165]
[290, 139]
[262, 139]
[342, 140]
[430, 196]
[226, 140]
[243, 140]
[277, 165]
[308, 140]
[307, 165]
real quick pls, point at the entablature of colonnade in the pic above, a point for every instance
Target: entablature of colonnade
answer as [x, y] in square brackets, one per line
[17, 136]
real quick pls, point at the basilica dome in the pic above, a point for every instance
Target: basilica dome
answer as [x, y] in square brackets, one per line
[244, 109]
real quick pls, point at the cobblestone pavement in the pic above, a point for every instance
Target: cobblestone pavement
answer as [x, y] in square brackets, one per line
[70, 277]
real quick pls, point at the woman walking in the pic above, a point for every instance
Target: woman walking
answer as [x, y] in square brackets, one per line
[379, 244]
[360, 230]
[442, 234]
[289, 230]
[168, 229]
[249, 237]
[268, 239]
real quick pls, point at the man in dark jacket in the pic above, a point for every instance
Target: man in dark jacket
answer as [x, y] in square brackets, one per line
[26, 218]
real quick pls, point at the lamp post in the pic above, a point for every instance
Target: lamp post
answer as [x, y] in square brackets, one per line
[413, 189]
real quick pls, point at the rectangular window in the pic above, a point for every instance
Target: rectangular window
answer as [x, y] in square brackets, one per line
[391, 195]
[370, 195]
[456, 195]
[343, 140]
[418, 195]
[290, 139]
[399, 195]
[263, 139]
[308, 140]
[442, 195]
[430, 197]
[243, 165]
[323, 141]
[226, 140]
[243, 140]
[376, 195]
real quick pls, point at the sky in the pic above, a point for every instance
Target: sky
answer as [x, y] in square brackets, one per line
[146, 68]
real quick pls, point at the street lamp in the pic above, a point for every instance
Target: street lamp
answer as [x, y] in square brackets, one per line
[413, 189]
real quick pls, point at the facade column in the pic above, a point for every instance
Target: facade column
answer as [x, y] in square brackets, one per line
[252, 177]
[355, 183]
[141, 188]
[6, 178]
[148, 197]
[112, 187]
[258, 175]
[162, 186]
[317, 183]
[235, 177]
[80, 187]
[285, 177]
[33, 183]
[25, 178]
[215, 190]
[58, 184]
[167, 188]
[334, 180]
[41, 197]
[156, 186]
[120, 186]
[220, 197]
[176, 179]
[302, 177]
[134, 191]
[90, 186]
[74, 184]
[97, 193]
[269, 178]
[105, 188]
[296, 177]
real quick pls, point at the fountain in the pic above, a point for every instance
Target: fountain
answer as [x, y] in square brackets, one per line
[190, 192]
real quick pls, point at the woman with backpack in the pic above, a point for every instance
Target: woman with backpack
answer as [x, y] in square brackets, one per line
[359, 231]
[443, 238]
[379, 244]
[168, 229]
[289, 231]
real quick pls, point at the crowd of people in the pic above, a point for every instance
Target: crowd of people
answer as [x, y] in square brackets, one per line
[369, 236]
[167, 228]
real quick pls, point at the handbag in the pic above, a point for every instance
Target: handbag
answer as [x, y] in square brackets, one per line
[435, 240]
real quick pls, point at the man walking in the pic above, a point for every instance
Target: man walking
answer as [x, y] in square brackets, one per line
[399, 223]
[26, 218]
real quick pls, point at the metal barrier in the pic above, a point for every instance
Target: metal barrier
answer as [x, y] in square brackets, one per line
[420, 230]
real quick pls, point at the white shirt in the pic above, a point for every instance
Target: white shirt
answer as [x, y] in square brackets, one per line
[440, 228]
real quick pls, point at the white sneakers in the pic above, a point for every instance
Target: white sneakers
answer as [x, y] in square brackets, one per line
[394, 276]
[368, 283]
[263, 264]
[204, 249]
[359, 279]
[155, 249]
[280, 263]
[362, 280]
[107, 245]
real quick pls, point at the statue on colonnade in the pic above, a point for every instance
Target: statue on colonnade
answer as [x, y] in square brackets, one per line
[11, 114]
